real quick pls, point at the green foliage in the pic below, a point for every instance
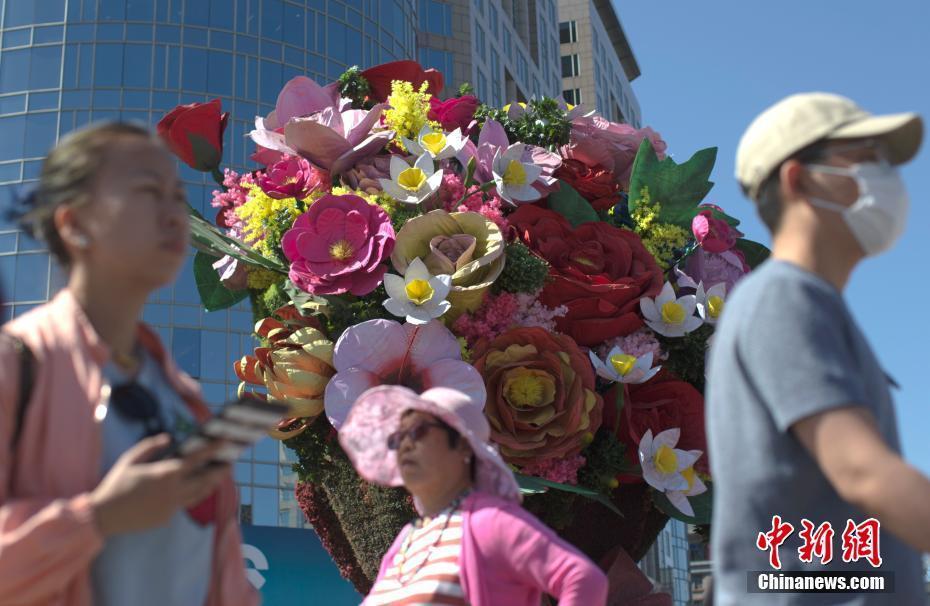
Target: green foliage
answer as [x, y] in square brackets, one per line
[686, 355]
[700, 503]
[213, 294]
[555, 508]
[401, 213]
[543, 123]
[523, 271]
[354, 86]
[678, 188]
[569, 203]
[339, 313]
[754, 252]
[465, 89]
[207, 238]
[606, 458]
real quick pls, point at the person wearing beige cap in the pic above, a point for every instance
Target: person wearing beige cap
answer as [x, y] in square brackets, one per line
[800, 419]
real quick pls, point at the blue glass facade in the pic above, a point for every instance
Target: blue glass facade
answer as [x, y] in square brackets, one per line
[67, 63]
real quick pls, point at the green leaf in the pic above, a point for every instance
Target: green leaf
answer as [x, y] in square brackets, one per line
[678, 188]
[534, 485]
[470, 172]
[209, 239]
[701, 505]
[754, 252]
[569, 203]
[213, 294]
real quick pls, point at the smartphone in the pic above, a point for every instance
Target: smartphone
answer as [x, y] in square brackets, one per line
[239, 424]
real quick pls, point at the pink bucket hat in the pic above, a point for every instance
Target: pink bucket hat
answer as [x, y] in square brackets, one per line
[377, 413]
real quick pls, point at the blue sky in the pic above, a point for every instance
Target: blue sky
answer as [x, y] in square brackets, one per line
[710, 67]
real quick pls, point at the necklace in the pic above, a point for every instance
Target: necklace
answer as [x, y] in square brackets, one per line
[408, 540]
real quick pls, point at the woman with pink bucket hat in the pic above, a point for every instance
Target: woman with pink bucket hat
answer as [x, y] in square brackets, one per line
[474, 543]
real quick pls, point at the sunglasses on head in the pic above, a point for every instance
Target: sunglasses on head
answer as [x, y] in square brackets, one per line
[416, 433]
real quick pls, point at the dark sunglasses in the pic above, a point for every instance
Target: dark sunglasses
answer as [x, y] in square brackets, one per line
[416, 433]
[136, 403]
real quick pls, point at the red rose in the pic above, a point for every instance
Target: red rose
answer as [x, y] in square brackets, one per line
[598, 271]
[663, 403]
[595, 184]
[195, 134]
[379, 78]
[454, 113]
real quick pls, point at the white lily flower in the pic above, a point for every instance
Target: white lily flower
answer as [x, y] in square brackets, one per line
[624, 368]
[513, 177]
[437, 144]
[679, 498]
[710, 304]
[662, 463]
[412, 184]
[418, 296]
[669, 316]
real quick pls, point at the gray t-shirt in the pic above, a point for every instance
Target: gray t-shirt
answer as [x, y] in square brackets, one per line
[164, 566]
[788, 348]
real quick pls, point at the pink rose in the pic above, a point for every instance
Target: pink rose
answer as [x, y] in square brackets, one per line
[457, 112]
[713, 234]
[340, 245]
[597, 141]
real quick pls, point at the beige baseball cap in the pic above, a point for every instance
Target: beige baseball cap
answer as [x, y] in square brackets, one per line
[802, 119]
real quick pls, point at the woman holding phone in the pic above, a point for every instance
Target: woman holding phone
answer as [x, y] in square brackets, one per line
[91, 512]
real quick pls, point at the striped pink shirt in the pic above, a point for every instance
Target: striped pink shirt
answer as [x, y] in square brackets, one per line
[425, 571]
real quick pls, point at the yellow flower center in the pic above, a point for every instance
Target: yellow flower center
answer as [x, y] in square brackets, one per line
[715, 306]
[688, 474]
[515, 174]
[419, 291]
[434, 142]
[623, 363]
[341, 250]
[666, 460]
[525, 391]
[411, 179]
[673, 313]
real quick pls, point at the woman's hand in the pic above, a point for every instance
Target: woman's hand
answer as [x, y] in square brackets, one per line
[139, 493]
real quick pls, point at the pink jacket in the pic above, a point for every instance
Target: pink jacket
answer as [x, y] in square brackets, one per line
[48, 539]
[509, 557]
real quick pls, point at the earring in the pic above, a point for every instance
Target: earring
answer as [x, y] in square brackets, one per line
[80, 240]
[467, 460]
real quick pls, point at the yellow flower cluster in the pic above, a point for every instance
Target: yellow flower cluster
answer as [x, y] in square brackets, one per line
[660, 239]
[261, 278]
[265, 219]
[409, 109]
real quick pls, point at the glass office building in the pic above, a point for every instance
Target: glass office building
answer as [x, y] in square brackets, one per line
[67, 63]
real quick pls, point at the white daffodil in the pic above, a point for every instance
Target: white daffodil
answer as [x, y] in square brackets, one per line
[418, 296]
[513, 177]
[710, 303]
[662, 463]
[679, 498]
[624, 368]
[669, 316]
[412, 184]
[438, 144]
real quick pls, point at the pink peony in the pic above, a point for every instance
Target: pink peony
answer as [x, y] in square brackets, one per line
[454, 113]
[384, 352]
[597, 141]
[339, 245]
[561, 470]
[292, 177]
[714, 235]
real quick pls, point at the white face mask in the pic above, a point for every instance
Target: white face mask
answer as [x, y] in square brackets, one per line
[878, 216]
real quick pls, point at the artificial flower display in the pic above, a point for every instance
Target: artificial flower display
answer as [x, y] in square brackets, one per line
[559, 268]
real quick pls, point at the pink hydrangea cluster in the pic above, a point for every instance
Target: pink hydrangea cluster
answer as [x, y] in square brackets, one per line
[492, 319]
[502, 312]
[530, 312]
[561, 470]
[637, 344]
[227, 202]
[488, 205]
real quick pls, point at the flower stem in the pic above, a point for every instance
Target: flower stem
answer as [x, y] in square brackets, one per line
[484, 187]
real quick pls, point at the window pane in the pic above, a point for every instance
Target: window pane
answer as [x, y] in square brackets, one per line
[220, 74]
[11, 143]
[14, 70]
[138, 65]
[31, 278]
[41, 130]
[45, 69]
[185, 348]
[108, 65]
[294, 25]
[139, 10]
[194, 76]
[221, 14]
